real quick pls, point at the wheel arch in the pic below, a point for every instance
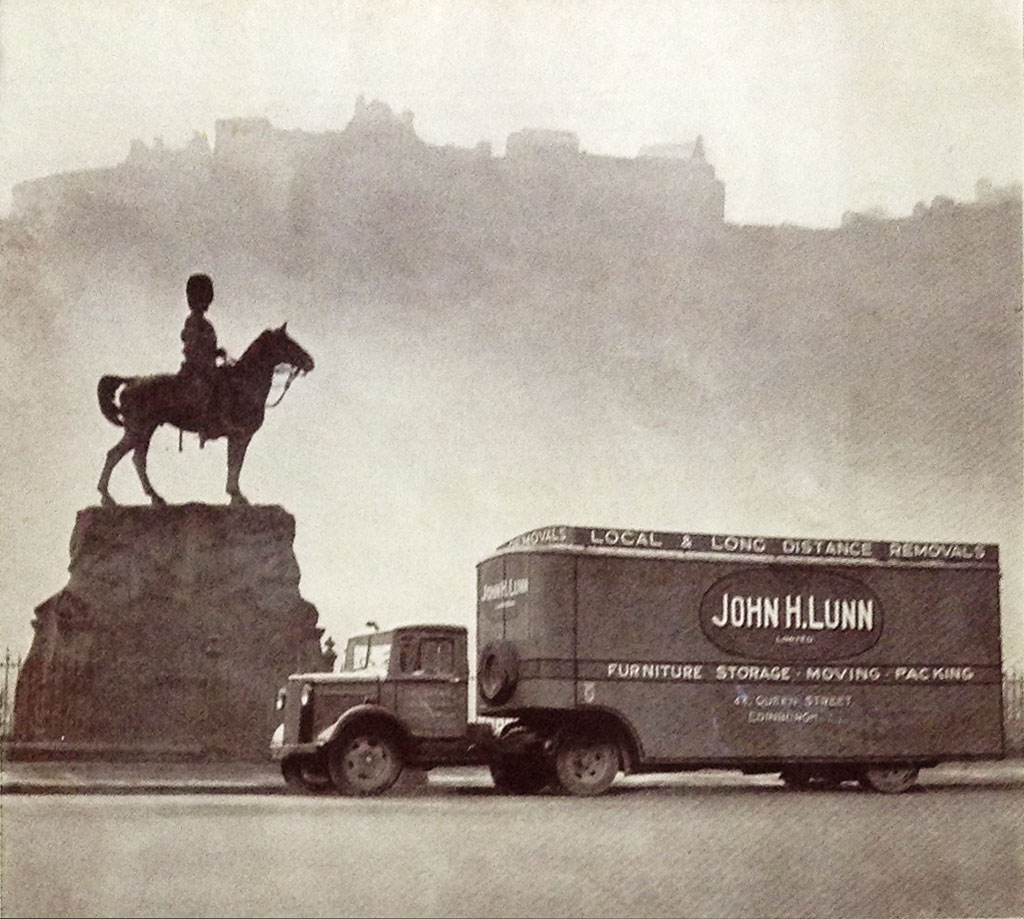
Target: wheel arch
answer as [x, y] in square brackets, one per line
[627, 737]
[607, 721]
[363, 716]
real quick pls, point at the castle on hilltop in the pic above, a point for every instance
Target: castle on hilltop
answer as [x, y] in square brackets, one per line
[377, 160]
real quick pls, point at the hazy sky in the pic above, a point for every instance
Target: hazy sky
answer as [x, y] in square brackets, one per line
[808, 107]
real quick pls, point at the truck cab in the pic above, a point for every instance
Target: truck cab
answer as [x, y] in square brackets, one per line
[400, 698]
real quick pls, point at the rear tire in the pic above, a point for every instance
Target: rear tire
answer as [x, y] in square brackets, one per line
[364, 761]
[891, 779]
[586, 764]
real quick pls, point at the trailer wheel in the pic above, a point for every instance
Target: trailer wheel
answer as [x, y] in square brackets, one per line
[364, 761]
[304, 773]
[891, 779]
[586, 764]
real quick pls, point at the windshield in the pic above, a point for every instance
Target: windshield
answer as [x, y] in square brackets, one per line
[368, 652]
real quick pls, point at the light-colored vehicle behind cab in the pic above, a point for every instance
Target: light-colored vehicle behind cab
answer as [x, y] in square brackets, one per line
[604, 651]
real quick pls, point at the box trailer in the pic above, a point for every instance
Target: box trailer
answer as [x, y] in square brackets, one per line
[603, 650]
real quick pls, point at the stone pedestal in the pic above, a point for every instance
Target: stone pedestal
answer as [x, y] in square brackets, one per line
[171, 638]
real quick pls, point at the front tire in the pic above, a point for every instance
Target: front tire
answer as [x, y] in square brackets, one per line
[892, 779]
[586, 764]
[366, 761]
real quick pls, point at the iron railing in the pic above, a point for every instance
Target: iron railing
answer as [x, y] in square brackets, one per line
[1013, 702]
[11, 668]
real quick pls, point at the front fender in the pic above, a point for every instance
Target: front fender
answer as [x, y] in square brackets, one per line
[367, 711]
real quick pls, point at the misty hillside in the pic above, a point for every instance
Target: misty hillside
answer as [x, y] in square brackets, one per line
[480, 377]
[880, 336]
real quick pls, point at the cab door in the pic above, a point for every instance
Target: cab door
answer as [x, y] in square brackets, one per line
[432, 684]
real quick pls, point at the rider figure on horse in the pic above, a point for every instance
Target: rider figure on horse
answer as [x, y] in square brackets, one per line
[200, 368]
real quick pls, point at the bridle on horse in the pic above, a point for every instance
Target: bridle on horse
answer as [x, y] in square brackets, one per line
[293, 372]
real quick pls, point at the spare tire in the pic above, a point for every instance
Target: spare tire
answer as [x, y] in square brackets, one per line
[498, 671]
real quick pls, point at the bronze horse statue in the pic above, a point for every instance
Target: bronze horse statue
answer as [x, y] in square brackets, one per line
[141, 404]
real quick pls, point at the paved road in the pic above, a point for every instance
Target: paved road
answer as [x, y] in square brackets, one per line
[696, 849]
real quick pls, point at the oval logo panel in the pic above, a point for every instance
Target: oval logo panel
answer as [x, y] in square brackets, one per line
[791, 614]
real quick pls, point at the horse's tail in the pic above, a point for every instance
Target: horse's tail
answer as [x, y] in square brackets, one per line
[105, 392]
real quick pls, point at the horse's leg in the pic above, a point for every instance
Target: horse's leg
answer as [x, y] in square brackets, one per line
[237, 445]
[139, 458]
[114, 455]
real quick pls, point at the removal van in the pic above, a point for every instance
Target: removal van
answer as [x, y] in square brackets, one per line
[604, 650]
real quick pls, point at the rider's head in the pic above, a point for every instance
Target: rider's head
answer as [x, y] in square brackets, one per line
[199, 291]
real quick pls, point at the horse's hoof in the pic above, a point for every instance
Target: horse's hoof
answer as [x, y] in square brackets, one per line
[157, 501]
[107, 501]
[239, 500]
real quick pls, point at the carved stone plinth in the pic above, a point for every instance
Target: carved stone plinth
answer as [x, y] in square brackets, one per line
[175, 630]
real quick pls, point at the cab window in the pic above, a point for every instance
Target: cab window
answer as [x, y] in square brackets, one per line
[430, 656]
[408, 655]
[437, 655]
[368, 652]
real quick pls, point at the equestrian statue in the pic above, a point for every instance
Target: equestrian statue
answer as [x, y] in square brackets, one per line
[208, 395]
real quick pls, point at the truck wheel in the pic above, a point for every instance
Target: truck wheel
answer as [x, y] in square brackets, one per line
[586, 765]
[365, 761]
[890, 780]
[303, 773]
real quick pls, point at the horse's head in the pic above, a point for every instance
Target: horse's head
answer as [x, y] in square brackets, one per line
[283, 349]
